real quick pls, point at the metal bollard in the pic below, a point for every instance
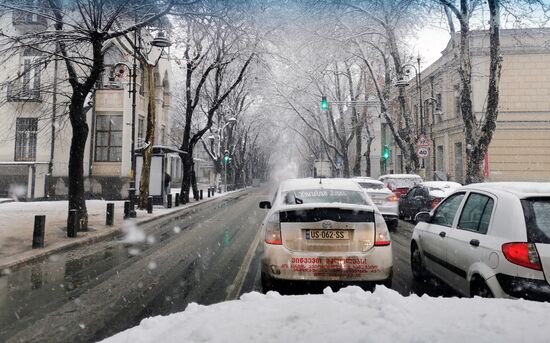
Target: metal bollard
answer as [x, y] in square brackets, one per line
[208, 192]
[126, 209]
[177, 200]
[150, 204]
[200, 194]
[39, 232]
[72, 224]
[169, 201]
[110, 216]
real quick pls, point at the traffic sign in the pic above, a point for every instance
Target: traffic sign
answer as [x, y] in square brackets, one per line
[422, 152]
[423, 141]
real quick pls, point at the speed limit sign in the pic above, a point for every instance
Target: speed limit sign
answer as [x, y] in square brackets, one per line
[422, 152]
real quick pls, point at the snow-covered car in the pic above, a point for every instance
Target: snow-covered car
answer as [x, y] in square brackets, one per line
[324, 230]
[400, 183]
[488, 239]
[385, 200]
[424, 197]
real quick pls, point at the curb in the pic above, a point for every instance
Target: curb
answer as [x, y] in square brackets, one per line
[106, 234]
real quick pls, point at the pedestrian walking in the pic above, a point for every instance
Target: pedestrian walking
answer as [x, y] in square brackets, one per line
[167, 185]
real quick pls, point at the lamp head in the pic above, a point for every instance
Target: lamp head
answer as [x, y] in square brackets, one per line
[161, 41]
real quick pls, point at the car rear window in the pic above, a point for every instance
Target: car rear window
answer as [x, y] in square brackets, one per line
[371, 185]
[537, 219]
[308, 196]
[403, 183]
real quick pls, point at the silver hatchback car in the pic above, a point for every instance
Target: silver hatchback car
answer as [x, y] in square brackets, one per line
[324, 230]
[488, 239]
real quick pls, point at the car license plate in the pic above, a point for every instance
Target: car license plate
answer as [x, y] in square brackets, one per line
[378, 202]
[327, 234]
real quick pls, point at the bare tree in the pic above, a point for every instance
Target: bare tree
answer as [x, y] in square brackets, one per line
[212, 50]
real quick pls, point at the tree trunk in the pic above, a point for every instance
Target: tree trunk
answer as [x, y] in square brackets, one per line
[358, 148]
[194, 183]
[149, 139]
[187, 166]
[367, 156]
[76, 159]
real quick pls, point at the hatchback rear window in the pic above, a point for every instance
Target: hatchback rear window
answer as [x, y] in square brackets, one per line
[537, 219]
[403, 183]
[372, 185]
[324, 196]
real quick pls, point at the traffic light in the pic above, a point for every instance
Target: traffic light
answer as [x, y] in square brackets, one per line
[324, 103]
[226, 158]
[386, 153]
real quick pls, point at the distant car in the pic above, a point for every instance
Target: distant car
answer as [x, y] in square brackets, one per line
[400, 183]
[324, 230]
[384, 199]
[490, 240]
[424, 197]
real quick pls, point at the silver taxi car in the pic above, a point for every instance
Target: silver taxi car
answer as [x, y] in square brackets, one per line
[385, 200]
[324, 230]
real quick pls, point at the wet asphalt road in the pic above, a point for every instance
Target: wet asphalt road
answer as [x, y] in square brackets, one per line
[208, 255]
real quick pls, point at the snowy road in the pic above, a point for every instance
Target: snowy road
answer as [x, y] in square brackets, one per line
[95, 292]
[208, 256]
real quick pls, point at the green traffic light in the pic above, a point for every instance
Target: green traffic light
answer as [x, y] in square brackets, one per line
[386, 153]
[226, 159]
[324, 103]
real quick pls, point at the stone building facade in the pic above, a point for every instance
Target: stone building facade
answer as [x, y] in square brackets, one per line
[35, 134]
[520, 149]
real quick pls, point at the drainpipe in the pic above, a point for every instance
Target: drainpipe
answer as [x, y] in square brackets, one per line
[92, 137]
[49, 190]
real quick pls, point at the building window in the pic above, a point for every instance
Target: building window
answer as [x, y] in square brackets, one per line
[34, 13]
[163, 135]
[27, 84]
[25, 139]
[141, 131]
[109, 138]
[457, 100]
[439, 158]
[438, 102]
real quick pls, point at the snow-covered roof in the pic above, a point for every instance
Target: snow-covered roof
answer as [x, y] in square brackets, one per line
[442, 184]
[319, 183]
[369, 180]
[399, 176]
[520, 189]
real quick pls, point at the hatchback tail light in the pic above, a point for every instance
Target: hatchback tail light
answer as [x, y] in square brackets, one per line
[435, 202]
[392, 198]
[273, 230]
[381, 233]
[523, 254]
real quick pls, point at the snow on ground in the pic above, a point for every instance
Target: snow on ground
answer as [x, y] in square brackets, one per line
[350, 315]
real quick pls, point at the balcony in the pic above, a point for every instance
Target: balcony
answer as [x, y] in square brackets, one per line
[18, 93]
[28, 21]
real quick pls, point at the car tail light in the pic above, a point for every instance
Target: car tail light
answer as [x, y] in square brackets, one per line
[381, 233]
[273, 230]
[393, 198]
[435, 202]
[523, 254]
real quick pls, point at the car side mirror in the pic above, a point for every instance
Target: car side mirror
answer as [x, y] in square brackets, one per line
[265, 204]
[423, 217]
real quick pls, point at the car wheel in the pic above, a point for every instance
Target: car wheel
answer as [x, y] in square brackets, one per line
[392, 224]
[480, 289]
[418, 269]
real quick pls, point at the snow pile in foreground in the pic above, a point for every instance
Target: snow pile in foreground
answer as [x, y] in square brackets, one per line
[350, 315]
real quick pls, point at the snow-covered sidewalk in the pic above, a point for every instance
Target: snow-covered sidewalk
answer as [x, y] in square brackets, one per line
[350, 315]
[17, 224]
